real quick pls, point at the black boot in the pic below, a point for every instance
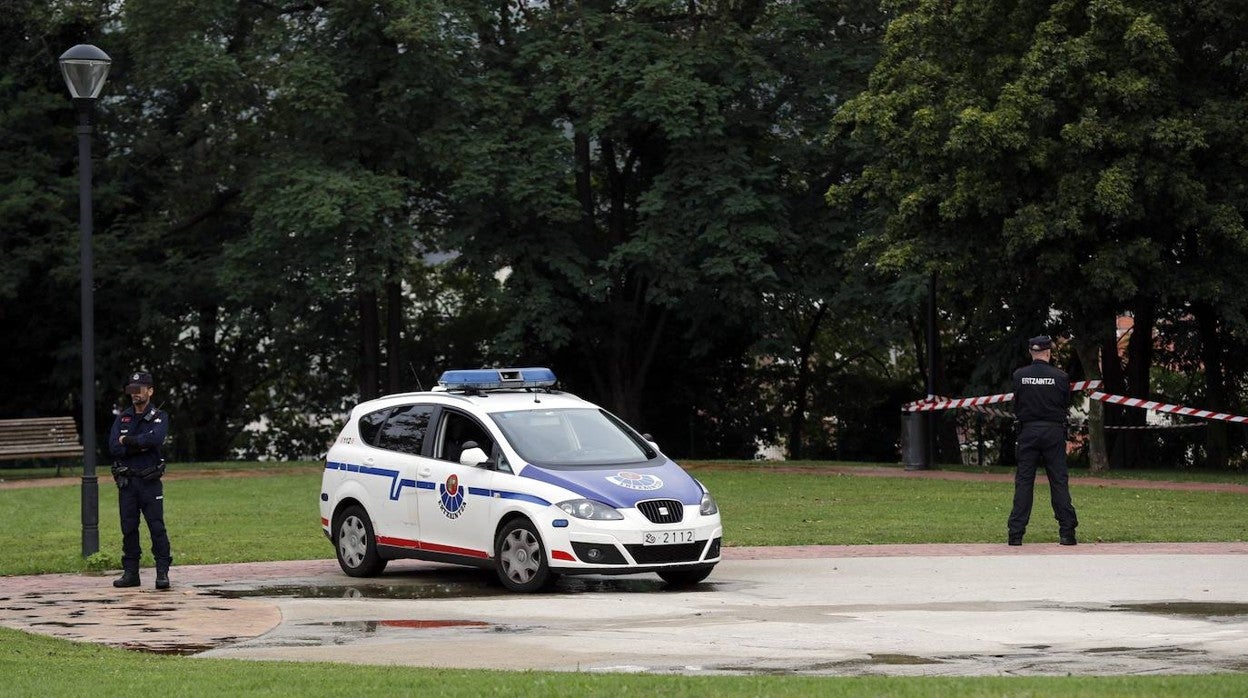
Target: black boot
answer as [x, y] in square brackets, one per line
[128, 578]
[162, 579]
[1068, 539]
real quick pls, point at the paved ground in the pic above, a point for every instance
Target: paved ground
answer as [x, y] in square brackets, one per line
[898, 609]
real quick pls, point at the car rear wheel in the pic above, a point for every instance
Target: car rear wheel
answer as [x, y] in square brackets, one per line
[356, 545]
[686, 577]
[521, 558]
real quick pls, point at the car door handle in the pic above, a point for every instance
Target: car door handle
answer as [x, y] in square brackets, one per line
[424, 473]
[369, 461]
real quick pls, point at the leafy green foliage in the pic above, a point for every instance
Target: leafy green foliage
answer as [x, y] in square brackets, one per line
[1068, 160]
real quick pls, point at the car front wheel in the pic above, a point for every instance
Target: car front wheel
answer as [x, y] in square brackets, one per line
[356, 544]
[521, 558]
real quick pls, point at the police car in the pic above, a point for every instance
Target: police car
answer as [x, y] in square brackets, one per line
[496, 469]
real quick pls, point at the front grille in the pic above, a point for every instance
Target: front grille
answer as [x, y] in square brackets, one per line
[658, 554]
[662, 511]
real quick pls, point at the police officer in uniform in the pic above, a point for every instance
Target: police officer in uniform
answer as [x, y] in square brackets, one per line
[1041, 396]
[134, 443]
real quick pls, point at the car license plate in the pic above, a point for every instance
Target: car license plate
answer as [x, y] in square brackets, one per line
[667, 537]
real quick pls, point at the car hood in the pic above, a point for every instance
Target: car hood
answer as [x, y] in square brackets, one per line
[624, 486]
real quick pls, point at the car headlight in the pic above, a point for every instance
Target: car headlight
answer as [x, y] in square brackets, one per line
[589, 509]
[708, 506]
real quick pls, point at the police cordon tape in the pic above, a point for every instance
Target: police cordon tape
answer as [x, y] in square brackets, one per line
[1082, 423]
[944, 403]
[975, 404]
[1164, 407]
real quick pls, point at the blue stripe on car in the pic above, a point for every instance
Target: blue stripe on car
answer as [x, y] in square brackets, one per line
[397, 485]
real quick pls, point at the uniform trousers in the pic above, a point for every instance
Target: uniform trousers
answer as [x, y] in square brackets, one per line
[146, 497]
[1042, 443]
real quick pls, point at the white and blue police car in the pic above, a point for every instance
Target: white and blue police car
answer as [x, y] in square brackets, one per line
[495, 468]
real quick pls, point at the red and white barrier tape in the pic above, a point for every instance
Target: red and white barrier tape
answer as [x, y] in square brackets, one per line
[992, 411]
[1006, 414]
[1151, 427]
[942, 403]
[1163, 407]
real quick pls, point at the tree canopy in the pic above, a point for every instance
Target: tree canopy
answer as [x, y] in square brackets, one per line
[300, 205]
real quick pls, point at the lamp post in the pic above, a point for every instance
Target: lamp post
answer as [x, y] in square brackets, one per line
[85, 68]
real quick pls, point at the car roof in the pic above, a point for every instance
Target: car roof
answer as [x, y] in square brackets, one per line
[485, 401]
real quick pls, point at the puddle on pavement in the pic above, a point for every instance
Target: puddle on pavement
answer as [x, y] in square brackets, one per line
[1144, 651]
[171, 649]
[846, 665]
[1194, 609]
[464, 586]
[371, 626]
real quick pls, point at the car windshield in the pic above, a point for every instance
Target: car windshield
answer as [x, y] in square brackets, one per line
[574, 437]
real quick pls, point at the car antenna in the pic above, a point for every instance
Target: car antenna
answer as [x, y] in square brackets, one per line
[412, 368]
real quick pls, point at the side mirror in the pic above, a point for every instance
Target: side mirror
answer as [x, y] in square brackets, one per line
[651, 441]
[473, 456]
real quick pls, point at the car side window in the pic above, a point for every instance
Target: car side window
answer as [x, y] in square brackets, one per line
[405, 430]
[370, 425]
[457, 430]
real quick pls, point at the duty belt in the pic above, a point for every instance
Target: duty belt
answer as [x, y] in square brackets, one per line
[1040, 423]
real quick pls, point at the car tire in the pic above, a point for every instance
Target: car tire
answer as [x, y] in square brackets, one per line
[356, 545]
[520, 558]
[686, 577]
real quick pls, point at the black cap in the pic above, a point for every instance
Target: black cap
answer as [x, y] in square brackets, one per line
[1040, 343]
[139, 379]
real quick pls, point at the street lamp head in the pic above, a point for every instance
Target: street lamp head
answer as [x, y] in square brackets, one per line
[85, 68]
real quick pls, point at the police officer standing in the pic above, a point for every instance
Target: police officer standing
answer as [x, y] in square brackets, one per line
[134, 443]
[1041, 396]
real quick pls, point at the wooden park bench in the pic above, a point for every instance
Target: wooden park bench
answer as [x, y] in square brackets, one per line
[39, 437]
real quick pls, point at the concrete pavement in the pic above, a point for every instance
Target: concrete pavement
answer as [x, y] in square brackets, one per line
[845, 610]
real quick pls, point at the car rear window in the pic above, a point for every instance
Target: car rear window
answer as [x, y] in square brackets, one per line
[405, 430]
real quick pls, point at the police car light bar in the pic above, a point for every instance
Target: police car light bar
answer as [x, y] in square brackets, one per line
[496, 378]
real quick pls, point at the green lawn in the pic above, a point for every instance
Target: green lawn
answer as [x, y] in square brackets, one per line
[275, 517]
[33, 665]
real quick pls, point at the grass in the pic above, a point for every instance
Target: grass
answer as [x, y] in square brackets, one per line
[1237, 477]
[275, 516]
[763, 508]
[34, 665]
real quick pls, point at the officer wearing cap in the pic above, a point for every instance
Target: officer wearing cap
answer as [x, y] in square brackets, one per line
[1041, 396]
[134, 443]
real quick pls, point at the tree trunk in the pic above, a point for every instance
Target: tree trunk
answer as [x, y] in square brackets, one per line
[1216, 447]
[1114, 381]
[801, 388]
[369, 347]
[1130, 451]
[394, 336]
[1098, 462]
[208, 431]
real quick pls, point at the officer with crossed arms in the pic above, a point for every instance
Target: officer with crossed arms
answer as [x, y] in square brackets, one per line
[134, 442]
[1041, 396]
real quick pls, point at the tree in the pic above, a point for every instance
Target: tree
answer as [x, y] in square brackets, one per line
[636, 167]
[1063, 155]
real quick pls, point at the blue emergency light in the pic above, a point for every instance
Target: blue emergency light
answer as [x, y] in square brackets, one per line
[497, 378]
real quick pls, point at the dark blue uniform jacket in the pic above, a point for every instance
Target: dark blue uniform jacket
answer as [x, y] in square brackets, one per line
[1041, 393]
[144, 435]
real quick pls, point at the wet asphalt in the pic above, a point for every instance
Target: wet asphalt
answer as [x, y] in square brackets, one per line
[921, 610]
